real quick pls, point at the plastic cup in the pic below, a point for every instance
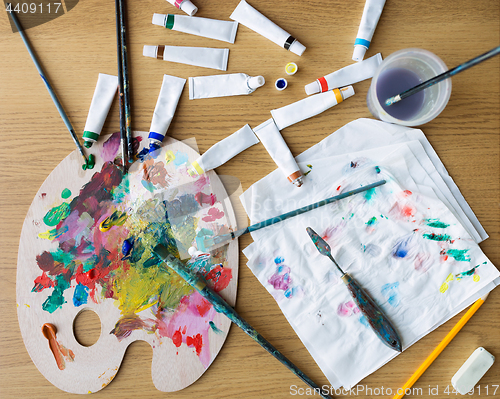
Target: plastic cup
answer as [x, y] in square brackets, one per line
[425, 65]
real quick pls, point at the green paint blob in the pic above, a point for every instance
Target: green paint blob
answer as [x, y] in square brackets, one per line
[56, 300]
[436, 223]
[56, 214]
[369, 194]
[372, 221]
[66, 193]
[377, 169]
[437, 237]
[90, 162]
[214, 328]
[459, 254]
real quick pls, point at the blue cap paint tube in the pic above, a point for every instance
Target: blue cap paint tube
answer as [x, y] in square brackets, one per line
[170, 92]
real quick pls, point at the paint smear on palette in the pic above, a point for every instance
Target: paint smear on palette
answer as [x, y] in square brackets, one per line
[459, 276]
[181, 158]
[213, 214]
[60, 352]
[101, 248]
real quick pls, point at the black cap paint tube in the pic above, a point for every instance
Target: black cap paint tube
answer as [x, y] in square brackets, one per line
[273, 141]
[223, 151]
[170, 92]
[104, 93]
[246, 15]
[205, 27]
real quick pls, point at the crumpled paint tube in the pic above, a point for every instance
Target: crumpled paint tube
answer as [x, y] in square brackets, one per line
[246, 15]
[233, 84]
[309, 106]
[223, 151]
[205, 27]
[170, 92]
[273, 141]
[205, 57]
[184, 5]
[346, 76]
[99, 107]
[369, 20]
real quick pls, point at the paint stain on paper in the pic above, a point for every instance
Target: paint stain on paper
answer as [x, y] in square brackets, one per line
[436, 223]
[459, 254]
[460, 276]
[391, 292]
[436, 237]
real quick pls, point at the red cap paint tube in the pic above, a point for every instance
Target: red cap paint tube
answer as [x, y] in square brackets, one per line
[184, 5]
[166, 105]
[99, 107]
[271, 138]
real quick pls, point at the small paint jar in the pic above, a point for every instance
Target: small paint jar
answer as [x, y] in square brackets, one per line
[280, 84]
[291, 68]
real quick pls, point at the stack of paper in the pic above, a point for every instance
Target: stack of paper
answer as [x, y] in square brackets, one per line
[411, 243]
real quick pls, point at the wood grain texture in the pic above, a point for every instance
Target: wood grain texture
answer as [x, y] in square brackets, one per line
[75, 47]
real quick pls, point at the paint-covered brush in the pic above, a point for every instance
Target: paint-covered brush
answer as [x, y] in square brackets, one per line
[443, 76]
[221, 306]
[214, 242]
[90, 162]
[379, 323]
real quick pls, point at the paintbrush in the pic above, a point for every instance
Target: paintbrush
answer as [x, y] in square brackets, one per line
[443, 76]
[374, 315]
[89, 163]
[121, 85]
[221, 306]
[213, 242]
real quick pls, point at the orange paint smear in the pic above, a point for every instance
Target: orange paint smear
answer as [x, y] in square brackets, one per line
[60, 352]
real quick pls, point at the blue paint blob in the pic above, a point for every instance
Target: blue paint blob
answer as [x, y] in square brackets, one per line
[153, 149]
[391, 292]
[279, 260]
[143, 154]
[127, 246]
[281, 84]
[214, 328]
[181, 158]
[80, 295]
[403, 246]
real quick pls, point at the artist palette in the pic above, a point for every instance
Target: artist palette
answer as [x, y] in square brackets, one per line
[86, 244]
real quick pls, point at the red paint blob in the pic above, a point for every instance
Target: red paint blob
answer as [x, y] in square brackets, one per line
[219, 277]
[204, 307]
[177, 338]
[196, 341]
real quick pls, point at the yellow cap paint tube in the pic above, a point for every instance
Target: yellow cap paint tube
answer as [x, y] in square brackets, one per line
[99, 107]
[223, 151]
[309, 106]
[273, 141]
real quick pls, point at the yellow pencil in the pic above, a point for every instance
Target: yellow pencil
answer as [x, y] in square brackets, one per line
[435, 353]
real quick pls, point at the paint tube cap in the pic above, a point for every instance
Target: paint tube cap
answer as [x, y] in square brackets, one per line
[347, 92]
[188, 7]
[296, 178]
[159, 19]
[297, 47]
[255, 82]
[359, 52]
[291, 68]
[313, 88]
[150, 51]
[280, 84]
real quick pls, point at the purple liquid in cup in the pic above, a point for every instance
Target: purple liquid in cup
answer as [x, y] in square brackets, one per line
[394, 81]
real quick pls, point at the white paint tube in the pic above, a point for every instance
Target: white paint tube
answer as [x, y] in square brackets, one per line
[233, 84]
[309, 106]
[348, 75]
[223, 151]
[99, 107]
[211, 28]
[369, 20]
[271, 138]
[184, 5]
[170, 92]
[205, 57]
[246, 15]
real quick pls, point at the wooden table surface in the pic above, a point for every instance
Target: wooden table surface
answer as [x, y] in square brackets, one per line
[80, 43]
